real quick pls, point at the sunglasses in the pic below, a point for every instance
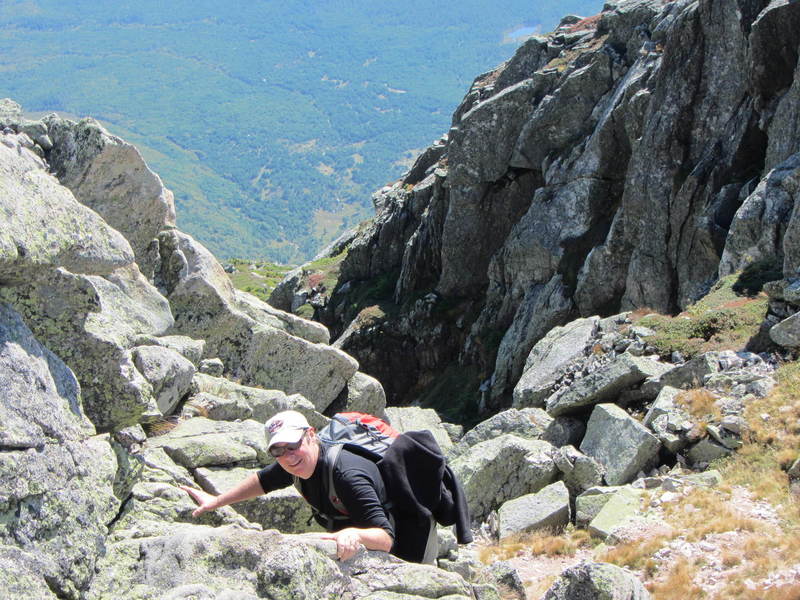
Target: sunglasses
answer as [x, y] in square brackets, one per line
[277, 451]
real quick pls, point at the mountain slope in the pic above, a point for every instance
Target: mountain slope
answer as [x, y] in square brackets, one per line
[271, 122]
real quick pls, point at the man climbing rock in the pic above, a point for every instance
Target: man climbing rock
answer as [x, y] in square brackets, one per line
[404, 525]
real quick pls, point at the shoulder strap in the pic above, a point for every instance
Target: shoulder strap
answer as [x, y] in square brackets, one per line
[329, 458]
[332, 456]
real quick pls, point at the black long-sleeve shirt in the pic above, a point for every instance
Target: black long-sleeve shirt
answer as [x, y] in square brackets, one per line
[356, 480]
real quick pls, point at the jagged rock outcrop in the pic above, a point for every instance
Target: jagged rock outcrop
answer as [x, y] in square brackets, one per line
[110, 176]
[257, 343]
[628, 164]
[57, 476]
[49, 227]
[620, 166]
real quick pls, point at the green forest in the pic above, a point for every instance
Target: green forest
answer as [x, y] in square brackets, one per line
[272, 122]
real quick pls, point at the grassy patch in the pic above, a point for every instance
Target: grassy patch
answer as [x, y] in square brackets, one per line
[256, 277]
[373, 296]
[724, 319]
[701, 404]
[324, 271]
[542, 542]
[772, 444]
[678, 583]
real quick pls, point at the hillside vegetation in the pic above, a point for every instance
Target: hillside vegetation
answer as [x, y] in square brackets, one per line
[271, 122]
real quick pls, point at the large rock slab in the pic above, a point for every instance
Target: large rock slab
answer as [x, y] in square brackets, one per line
[201, 442]
[760, 223]
[215, 562]
[481, 144]
[618, 442]
[110, 176]
[90, 322]
[620, 510]
[528, 423]
[364, 394]
[201, 291]
[155, 500]
[414, 418]
[44, 227]
[292, 324]
[53, 413]
[23, 575]
[223, 400]
[503, 468]
[605, 384]
[549, 356]
[285, 510]
[589, 503]
[191, 349]
[543, 306]
[597, 581]
[56, 504]
[787, 332]
[57, 481]
[580, 472]
[274, 359]
[378, 576]
[546, 509]
[228, 562]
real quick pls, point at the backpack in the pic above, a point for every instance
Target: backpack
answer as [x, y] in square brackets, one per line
[362, 434]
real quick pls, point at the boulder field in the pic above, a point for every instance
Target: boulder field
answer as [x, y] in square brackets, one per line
[629, 160]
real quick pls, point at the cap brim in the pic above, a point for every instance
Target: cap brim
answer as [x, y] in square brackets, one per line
[286, 436]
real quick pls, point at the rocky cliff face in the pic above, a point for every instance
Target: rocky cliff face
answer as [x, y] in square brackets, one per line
[626, 160]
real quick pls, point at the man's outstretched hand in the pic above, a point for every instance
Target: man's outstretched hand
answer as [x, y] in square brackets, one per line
[205, 501]
[348, 542]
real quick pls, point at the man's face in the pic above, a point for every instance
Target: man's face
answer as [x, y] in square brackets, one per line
[302, 461]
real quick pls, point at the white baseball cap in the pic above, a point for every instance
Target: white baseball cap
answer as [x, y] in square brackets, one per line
[285, 427]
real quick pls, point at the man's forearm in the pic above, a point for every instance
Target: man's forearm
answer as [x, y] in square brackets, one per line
[245, 490]
[375, 538]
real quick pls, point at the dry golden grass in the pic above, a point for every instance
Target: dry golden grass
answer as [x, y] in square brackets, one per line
[741, 591]
[706, 511]
[538, 588]
[678, 583]
[761, 549]
[161, 427]
[197, 408]
[700, 403]
[636, 554]
[772, 445]
[543, 542]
